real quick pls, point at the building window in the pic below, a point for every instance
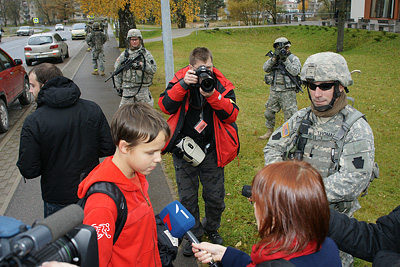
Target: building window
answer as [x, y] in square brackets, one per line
[382, 9]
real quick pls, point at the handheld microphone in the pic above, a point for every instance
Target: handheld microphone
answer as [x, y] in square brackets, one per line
[48, 230]
[179, 221]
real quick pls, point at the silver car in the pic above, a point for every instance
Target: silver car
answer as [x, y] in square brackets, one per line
[25, 30]
[44, 46]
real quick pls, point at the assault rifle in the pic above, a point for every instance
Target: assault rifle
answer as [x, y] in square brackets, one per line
[126, 65]
[279, 66]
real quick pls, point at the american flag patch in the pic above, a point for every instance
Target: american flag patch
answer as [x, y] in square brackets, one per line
[285, 130]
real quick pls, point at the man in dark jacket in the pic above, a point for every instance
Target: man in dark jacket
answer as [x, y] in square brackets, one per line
[63, 139]
[201, 102]
[377, 243]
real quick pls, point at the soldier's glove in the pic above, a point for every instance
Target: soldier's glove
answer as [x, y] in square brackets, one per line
[276, 54]
[120, 91]
[136, 66]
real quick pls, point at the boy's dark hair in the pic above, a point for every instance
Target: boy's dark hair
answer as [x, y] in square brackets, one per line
[201, 54]
[45, 72]
[137, 122]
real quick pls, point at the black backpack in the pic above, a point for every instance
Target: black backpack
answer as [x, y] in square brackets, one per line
[111, 190]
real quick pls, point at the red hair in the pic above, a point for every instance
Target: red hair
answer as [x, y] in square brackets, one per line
[292, 207]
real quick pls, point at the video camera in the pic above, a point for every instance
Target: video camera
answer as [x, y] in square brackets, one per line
[60, 237]
[206, 79]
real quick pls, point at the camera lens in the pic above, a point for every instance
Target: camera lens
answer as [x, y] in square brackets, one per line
[207, 84]
[246, 190]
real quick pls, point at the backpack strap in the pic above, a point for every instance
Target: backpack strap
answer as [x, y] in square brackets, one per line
[349, 119]
[111, 190]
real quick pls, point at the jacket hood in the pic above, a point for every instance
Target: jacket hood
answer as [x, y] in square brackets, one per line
[107, 171]
[59, 92]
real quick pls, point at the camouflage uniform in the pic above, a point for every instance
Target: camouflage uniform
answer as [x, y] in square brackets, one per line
[95, 40]
[346, 172]
[134, 89]
[283, 90]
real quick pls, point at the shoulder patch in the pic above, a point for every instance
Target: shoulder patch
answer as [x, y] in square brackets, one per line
[285, 129]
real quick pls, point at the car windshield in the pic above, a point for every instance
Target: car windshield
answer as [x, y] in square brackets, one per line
[78, 26]
[24, 28]
[40, 40]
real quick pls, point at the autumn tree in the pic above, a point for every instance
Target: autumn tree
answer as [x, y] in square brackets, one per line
[128, 12]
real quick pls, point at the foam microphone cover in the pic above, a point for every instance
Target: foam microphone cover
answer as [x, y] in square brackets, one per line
[63, 221]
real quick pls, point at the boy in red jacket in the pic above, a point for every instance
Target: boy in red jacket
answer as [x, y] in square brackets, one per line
[139, 133]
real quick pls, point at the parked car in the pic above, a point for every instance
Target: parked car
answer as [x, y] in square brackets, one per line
[78, 31]
[25, 30]
[14, 84]
[59, 27]
[44, 46]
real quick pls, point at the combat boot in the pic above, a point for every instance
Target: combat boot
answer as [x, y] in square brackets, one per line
[267, 135]
[95, 72]
[102, 73]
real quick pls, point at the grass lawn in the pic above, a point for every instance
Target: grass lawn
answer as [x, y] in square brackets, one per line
[240, 55]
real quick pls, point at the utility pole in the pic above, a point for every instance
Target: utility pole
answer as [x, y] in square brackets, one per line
[167, 41]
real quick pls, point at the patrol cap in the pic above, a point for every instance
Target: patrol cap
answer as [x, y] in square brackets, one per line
[134, 33]
[282, 42]
[324, 67]
[96, 25]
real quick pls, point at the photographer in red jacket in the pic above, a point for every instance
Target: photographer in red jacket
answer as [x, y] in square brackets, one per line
[201, 102]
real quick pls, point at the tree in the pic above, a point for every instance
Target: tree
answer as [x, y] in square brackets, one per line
[212, 7]
[46, 8]
[250, 11]
[13, 9]
[340, 32]
[183, 10]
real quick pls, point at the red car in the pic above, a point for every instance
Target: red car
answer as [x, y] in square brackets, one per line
[14, 84]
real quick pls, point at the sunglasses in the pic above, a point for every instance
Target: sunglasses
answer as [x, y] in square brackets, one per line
[322, 86]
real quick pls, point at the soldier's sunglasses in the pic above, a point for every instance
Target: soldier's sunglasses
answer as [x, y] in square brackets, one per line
[322, 86]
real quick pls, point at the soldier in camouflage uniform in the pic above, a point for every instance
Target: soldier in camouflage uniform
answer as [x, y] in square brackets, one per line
[332, 136]
[95, 39]
[135, 81]
[283, 90]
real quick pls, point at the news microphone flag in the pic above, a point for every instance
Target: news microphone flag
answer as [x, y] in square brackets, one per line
[177, 219]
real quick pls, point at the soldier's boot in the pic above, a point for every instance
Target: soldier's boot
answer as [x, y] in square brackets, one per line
[95, 72]
[102, 73]
[267, 135]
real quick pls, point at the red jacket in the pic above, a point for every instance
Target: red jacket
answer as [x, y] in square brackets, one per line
[225, 112]
[137, 243]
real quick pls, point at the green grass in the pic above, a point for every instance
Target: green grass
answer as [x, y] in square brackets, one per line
[240, 55]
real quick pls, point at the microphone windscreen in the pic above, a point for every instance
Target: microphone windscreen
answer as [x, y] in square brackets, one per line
[177, 219]
[63, 221]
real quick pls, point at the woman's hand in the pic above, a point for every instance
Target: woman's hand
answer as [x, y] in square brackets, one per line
[205, 252]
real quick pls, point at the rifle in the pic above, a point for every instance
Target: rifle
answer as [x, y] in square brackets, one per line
[279, 66]
[125, 65]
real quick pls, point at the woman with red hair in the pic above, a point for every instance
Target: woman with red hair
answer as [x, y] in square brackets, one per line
[292, 215]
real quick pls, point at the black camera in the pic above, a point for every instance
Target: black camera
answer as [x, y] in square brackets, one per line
[60, 237]
[283, 52]
[246, 191]
[206, 79]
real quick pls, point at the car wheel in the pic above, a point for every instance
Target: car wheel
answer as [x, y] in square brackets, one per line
[61, 58]
[25, 97]
[28, 62]
[67, 54]
[3, 117]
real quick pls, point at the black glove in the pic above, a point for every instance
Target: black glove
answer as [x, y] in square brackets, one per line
[136, 66]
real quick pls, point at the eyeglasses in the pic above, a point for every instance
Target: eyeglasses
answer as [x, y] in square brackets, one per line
[322, 86]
